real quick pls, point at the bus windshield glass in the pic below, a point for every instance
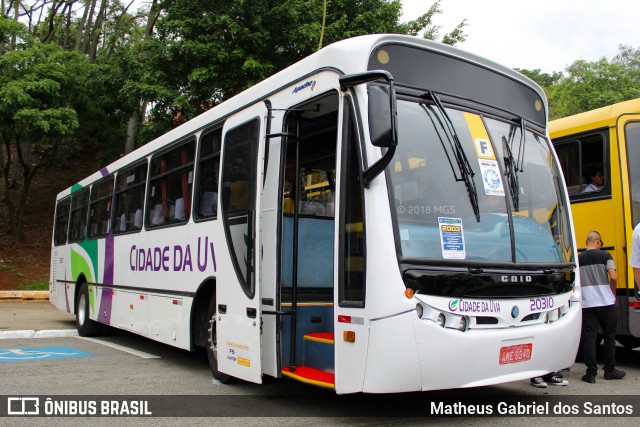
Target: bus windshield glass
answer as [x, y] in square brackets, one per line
[517, 214]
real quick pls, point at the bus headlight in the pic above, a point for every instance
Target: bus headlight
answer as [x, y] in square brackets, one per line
[462, 325]
[419, 311]
[440, 320]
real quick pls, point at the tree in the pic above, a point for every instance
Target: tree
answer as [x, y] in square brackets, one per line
[545, 80]
[205, 52]
[591, 85]
[43, 92]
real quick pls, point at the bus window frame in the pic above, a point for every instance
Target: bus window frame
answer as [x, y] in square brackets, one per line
[628, 171]
[114, 207]
[350, 118]
[247, 282]
[92, 202]
[195, 213]
[147, 201]
[55, 224]
[603, 194]
[75, 195]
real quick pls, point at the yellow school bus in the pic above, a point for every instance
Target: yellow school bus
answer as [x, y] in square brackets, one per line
[599, 152]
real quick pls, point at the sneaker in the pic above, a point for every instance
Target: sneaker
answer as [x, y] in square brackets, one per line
[538, 382]
[557, 381]
[556, 374]
[614, 375]
[588, 378]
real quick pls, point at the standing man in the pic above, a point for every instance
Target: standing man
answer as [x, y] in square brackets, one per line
[635, 254]
[598, 276]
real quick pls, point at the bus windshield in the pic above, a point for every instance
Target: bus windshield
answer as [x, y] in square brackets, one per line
[517, 213]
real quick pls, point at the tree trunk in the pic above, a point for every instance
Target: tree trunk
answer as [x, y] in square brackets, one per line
[97, 30]
[81, 25]
[86, 37]
[138, 116]
[8, 201]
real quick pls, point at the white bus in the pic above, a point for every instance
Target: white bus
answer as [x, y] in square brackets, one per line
[386, 215]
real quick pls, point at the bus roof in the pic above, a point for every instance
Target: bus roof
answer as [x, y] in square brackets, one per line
[344, 57]
[595, 119]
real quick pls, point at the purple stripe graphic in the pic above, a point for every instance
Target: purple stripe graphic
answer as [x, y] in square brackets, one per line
[66, 297]
[106, 300]
[104, 171]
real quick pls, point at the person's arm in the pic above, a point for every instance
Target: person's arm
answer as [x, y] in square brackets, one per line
[613, 279]
[636, 276]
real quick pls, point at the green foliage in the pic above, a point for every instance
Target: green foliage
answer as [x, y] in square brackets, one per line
[545, 80]
[588, 85]
[591, 85]
[205, 52]
[36, 285]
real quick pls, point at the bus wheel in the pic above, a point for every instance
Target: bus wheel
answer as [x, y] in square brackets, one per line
[86, 326]
[628, 341]
[212, 346]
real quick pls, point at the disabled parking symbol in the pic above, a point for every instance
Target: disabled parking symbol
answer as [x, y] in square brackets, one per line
[43, 353]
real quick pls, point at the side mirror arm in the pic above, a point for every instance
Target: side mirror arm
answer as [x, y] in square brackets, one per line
[357, 79]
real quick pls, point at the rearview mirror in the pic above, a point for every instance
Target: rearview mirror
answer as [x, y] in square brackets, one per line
[382, 117]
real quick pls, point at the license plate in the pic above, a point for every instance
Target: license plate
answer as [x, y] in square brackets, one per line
[515, 353]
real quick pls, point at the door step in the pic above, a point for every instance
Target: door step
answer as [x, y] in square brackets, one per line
[323, 337]
[312, 376]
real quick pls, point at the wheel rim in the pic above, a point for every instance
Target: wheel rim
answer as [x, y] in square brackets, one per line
[82, 309]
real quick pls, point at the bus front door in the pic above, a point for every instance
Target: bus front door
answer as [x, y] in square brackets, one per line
[239, 317]
[628, 129]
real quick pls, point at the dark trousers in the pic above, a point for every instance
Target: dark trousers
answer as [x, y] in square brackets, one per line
[606, 318]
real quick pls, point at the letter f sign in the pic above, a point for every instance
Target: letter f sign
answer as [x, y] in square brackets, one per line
[484, 149]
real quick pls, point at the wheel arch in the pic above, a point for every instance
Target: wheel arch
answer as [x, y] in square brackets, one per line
[199, 320]
[79, 282]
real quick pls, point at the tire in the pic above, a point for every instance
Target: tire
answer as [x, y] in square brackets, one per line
[86, 326]
[628, 341]
[212, 347]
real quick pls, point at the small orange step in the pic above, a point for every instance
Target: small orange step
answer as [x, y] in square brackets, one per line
[311, 376]
[325, 337]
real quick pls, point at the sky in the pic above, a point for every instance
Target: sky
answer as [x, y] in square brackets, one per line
[543, 34]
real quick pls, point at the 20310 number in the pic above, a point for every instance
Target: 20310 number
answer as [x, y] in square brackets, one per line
[543, 303]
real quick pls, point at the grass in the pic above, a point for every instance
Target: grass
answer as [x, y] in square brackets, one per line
[34, 286]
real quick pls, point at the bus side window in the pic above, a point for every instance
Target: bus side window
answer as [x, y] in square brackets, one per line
[129, 199]
[170, 184]
[584, 164]
[100, 208]
[208, 171]
[79, 209]
[352, 278]
[62, 222]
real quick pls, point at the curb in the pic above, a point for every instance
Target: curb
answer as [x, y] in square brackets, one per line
[53, 333]
[24, 295]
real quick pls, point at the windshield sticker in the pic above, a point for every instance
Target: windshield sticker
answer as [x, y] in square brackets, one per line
[451, 238]
[404, 234]
[491, 179]
[484, 149]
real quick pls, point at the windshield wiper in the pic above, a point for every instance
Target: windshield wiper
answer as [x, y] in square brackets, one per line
[511, 171]
[512, 165]
[461, 158]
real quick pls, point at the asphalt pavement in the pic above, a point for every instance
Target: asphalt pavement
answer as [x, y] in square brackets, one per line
[33, 314]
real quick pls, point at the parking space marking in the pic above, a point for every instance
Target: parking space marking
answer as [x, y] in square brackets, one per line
[129, 350]
[42, 353]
